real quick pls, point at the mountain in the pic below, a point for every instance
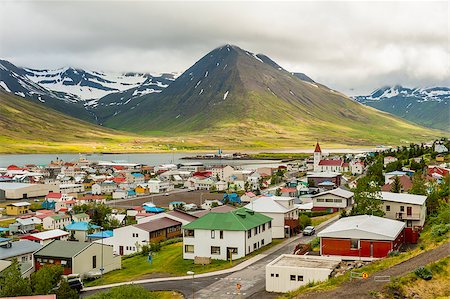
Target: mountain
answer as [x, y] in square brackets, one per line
[27, 127]
[80, 93]
[15, 80]
[233, 95]
[425, 106]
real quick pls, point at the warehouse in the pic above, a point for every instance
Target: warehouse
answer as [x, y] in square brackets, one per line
[24, 191]
[362, 237]
[289, 272]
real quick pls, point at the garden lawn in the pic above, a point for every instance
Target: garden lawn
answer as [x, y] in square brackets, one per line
[315, 221]
[167, 262]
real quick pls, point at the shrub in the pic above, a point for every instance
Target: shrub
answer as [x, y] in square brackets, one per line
[155, 247]
[171, 241]
[423, 273]
[439, 230]
[315, 242]
[304, 221]
[394, 253]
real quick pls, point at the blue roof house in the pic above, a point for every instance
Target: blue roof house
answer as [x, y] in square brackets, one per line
[231, 197]
[80, 230]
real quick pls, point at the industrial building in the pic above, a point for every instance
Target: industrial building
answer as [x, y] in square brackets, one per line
[17, 191]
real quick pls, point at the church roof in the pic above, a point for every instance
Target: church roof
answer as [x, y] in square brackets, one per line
[317, 149]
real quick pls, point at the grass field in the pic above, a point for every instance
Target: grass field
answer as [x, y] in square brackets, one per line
[426, 242]
[168, 262]
[319, 219]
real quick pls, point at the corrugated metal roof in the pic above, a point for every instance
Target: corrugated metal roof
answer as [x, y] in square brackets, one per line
[19, 248]
[66, 249]
[238, 220]
[157, 224]
[364, 227]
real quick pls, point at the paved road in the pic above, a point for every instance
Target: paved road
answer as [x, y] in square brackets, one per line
[251, 278]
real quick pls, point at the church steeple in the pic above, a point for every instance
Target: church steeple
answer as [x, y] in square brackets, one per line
[317, 149]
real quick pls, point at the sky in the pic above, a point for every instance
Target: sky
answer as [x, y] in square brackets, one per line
[354, 47]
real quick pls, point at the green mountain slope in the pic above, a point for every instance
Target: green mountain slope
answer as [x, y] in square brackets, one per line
[235, 96]
[26, 127]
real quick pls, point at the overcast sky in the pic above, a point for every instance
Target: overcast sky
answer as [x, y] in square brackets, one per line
[353, 47]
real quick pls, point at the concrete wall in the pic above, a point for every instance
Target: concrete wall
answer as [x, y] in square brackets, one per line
[283, 283]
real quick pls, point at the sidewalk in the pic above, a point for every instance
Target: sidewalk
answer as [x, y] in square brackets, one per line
[238, 267]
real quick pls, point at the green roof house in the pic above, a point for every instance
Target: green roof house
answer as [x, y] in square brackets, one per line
[227, 235]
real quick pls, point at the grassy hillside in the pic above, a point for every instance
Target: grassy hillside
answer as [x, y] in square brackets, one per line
[232, 97]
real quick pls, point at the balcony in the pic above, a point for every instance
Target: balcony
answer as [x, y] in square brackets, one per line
[406, 216]
[291, 222]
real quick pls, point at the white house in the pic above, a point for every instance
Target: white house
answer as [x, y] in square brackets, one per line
[335, 199]
[58, 221]
[356, 167]
[208, 203]
[106, 187]
[130, 239]
[158, 186]
[226, 235]
[389, 159]
[46, 237]
[222, 172]
[289, 272]
[281, 209]
[405, 207]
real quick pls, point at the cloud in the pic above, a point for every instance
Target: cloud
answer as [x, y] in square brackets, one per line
[350, 46]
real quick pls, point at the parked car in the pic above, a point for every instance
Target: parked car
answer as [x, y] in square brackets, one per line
[309, 231]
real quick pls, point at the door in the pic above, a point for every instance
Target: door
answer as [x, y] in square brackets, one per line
[120, 250]
[408, 211]
[371, 249]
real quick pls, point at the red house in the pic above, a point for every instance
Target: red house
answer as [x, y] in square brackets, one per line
[363, 236]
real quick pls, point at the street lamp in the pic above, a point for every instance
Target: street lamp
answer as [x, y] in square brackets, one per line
[192, 273]
[101, 269]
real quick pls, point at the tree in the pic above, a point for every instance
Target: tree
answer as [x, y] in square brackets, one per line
[45, 279]
[311, 183]
[367, 197]
[66, 292]
[214, 204]
[304, 220]
[12, 284]
[418, 184]
[396, 186]
[278, 192]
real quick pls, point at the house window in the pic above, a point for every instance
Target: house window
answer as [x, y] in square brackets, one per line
[277, 275]
[215, 250]
[63, 262]
[189, 233]
[249, 234]
[94, 262]
[354, 243]
[388, 208]
[320, 200]
[329, 200]
[262, 242]
[402, 208]
[254, 246]
[221, 234]
[264, 227]
[272, 275]
[189, 248]
[338, 200]
[270, 224]
[256, 231]
[292, 277]
[213, 234]
[299, 277]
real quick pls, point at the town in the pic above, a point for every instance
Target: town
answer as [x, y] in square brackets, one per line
[204, 229]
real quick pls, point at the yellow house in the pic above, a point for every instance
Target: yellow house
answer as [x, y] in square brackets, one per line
[440, 158]
[18, 208]
[141, 189]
